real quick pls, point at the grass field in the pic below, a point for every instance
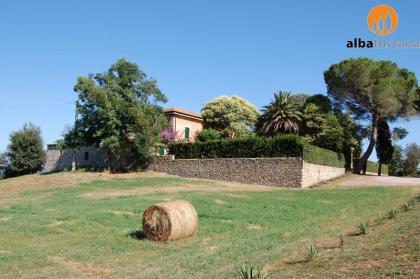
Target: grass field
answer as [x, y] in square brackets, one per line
[91, 229]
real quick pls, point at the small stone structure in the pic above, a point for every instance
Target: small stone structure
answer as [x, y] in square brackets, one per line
[280, 172]
[85, 157]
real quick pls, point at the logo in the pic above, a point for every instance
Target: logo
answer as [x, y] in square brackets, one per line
[382, 20]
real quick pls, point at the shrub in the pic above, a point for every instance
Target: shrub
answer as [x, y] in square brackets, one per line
[380, 219]
[364, 226]
[312, 253]
[407, 206]
[393, 213]
[248, 272]
[206, 135]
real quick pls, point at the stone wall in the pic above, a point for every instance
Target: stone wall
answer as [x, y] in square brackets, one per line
[280, 172]
[314, 174]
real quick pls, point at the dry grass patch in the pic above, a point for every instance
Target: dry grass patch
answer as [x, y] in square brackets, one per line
[116, 193]
[83, 268]
[255, 227]
[10, 189]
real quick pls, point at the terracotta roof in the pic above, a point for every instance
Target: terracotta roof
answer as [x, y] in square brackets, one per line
[182, 112]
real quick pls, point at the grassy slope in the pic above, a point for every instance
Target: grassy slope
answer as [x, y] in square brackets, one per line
[61, 234]
[389, 250]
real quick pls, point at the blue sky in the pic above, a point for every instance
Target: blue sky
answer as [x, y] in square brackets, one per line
[195, 49]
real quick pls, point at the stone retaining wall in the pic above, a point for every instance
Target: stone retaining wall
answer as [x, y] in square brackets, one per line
[314, 174]
[281, 172]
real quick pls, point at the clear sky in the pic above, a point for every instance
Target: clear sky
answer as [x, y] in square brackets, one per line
[195, 49]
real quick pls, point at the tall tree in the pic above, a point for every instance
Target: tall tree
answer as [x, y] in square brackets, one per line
[119, 112]
[371, 90]
[280, 116]
[322, 128]
[412, 159]
[299, 99]
[25, 151]
[352, 139]
[384, 148]
[230, 115]
[396, 166]
[2, 165]
[417, 101]
[321, 101]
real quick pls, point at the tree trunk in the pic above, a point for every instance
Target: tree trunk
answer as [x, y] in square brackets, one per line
[373, 138]
[380, 169]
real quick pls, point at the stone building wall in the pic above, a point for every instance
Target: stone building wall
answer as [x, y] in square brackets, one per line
[85, 157]
[314, 174]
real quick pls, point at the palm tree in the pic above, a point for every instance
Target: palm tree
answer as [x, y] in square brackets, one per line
[280, 116]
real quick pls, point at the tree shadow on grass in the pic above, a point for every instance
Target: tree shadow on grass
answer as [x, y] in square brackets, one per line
[137, 234]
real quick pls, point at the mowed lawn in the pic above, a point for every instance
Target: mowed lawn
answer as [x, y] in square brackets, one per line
[92, 229]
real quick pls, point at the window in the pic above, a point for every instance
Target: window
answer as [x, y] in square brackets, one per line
[86, 155]
[161, 150]
[187, 133]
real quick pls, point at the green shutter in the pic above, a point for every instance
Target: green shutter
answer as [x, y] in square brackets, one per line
[187, 133]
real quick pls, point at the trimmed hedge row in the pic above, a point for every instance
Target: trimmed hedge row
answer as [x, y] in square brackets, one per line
[320, 156]
[247, 147]
[257, 147]
[373, 167]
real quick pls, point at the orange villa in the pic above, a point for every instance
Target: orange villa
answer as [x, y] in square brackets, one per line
[186, 124]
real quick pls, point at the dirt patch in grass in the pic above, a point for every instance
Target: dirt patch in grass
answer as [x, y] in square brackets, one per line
[120, 212]
[116, 193]
[254, 227]
[4, 219]
[83, 268]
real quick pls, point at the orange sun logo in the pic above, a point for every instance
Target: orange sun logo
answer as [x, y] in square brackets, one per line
[382, 20]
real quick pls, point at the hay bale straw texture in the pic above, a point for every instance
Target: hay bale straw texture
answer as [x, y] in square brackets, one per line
[170, 220]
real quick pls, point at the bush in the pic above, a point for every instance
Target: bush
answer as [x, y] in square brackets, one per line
[248, 272]
[206, 135]
[312, 253]
[257, 147]
[364, 226]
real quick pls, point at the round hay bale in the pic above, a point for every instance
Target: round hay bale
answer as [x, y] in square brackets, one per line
[170, 220]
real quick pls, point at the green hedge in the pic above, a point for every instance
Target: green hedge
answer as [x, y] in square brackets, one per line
[373, 167]
[257, 147]
[247, 147]
[316, 155]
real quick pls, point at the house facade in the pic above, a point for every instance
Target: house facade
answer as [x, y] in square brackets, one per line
[186, 124]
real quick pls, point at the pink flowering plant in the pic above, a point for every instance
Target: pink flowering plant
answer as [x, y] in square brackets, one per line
[168, 135]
